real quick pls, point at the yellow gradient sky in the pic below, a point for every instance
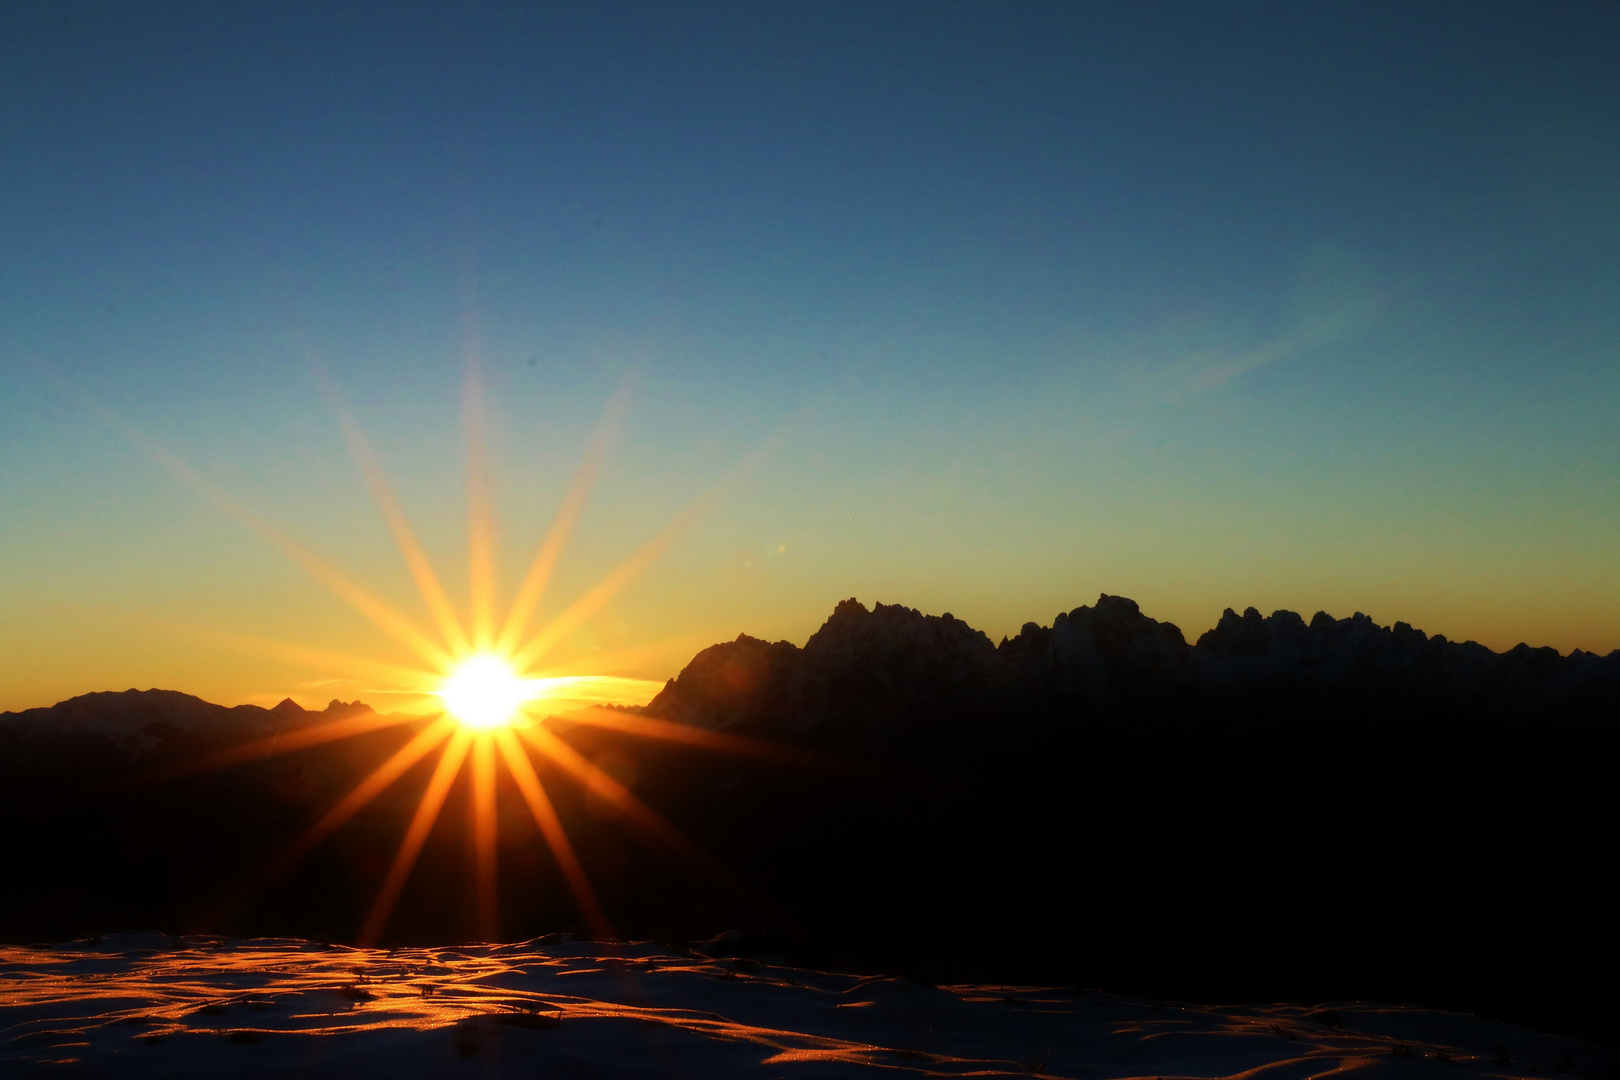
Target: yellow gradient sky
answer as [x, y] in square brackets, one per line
[1206, 305]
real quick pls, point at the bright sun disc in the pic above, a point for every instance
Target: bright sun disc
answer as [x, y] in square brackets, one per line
[484, 692]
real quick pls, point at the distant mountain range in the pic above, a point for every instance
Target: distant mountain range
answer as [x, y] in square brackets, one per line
[1111, 661]
[141, 721]
[1283, 810]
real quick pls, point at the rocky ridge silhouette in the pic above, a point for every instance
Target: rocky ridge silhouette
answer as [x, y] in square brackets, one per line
[1108, 660]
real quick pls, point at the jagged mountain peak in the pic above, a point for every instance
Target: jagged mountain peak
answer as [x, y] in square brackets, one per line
[892, 628]
[897, 663]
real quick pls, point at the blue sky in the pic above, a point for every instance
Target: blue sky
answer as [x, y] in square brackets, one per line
[1305, 306]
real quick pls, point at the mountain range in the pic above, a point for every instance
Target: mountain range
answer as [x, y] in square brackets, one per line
[1283, 810]
[1110, 660]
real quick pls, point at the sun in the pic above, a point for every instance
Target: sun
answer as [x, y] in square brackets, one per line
[484, 672]
[484, 692]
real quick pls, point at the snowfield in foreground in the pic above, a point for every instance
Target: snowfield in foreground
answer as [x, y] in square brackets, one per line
[145, 1004]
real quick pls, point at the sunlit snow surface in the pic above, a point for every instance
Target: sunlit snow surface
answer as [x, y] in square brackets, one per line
[145, 1004]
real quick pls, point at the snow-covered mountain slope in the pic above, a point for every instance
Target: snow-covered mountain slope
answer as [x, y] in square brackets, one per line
[147, 1005]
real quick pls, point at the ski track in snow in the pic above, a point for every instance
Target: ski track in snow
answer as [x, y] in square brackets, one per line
[143, 1004]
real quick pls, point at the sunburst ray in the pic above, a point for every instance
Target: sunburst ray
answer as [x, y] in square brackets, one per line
[380, 779]
[480, 521]
[644, 556]
[605, 787]
[545, 816]
[275, 745]
[562, 526]
[381, 615]
[482, 792]
[427, 812]
[606, 663]
[332, 663]
[399, 526]
[666, 731]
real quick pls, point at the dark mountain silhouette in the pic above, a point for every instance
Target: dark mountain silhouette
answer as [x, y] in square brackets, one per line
[892, 666]
[1282, 810]
[137, 722]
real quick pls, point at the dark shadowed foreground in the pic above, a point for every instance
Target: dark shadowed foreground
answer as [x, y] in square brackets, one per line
[144, 1004]
[1284, 811]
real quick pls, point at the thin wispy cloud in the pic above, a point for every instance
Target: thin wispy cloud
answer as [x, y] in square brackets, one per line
[1333, 302]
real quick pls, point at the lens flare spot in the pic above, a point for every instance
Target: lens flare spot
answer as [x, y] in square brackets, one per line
[484, 692]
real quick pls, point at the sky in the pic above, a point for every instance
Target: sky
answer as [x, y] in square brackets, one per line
[984, 308]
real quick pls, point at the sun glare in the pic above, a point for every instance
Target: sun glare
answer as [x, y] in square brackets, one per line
[482, 669]
[484, 692]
